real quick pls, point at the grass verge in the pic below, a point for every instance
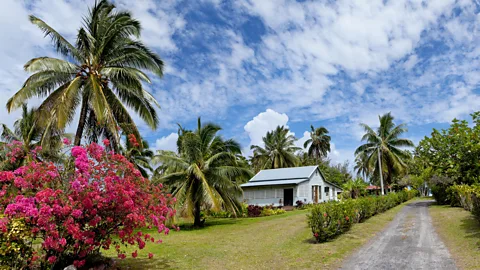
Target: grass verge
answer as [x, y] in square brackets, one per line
[274, 242]
[460, 232]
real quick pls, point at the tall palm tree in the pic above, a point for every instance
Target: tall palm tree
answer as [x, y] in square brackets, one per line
[279, 150]
[205, 173]
[31, 134]
[383, 148]
[319, 143]
[102, 74]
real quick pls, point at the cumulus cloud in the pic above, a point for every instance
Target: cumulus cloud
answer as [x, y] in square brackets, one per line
[261, 124]
[167, 142]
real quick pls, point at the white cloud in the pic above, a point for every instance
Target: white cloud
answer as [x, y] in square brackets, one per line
[302, 140]
[261, 124]
[411, 62]
[167, 142]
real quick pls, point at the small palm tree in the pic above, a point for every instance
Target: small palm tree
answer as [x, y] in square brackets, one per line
[278, 152]
[362, 166]
[354, 188]
[205, 174]
[382, 149]
[319, 143]
[103, 74]
[139, 155]
[31, 134]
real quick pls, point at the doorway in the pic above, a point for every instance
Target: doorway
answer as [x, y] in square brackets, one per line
[288, 197]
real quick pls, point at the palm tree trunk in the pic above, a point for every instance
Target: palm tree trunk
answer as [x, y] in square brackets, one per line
[81, 122]
[380, 170]
[197, 217]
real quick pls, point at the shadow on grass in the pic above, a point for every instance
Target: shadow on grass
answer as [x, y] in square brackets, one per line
[141, 264]
[209, 223]
[471, 228]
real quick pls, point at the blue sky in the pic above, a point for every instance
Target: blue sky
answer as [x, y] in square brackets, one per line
[252, 65]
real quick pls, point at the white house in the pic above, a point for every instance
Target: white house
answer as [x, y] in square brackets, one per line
[286, 186]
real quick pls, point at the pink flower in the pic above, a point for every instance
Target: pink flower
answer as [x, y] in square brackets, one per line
[52, 259]
[66, 141]
[79, 264]
[106, 142]
[76, 213]
[121, 256]
[150, 255]
[134, 254]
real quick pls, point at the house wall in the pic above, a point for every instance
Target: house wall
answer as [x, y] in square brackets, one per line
[268, 195]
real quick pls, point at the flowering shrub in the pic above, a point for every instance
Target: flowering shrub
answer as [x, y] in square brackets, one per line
[102, 203]
[260, 211]
[333, 218]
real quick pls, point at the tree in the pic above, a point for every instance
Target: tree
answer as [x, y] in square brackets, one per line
[206, 173]
[319, 143]
[354, 188]
[102, 75]
[138, 154]
[361, 165]
[32, 135]
[383, 149]
[278, 152]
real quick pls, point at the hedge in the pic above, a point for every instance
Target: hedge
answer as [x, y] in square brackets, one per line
[333, 218]
[467, 197]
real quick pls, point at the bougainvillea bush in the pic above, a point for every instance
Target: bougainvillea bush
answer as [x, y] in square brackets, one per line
[70, 214]
[333, 218]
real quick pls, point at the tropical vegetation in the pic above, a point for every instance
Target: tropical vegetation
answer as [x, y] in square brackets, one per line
[278, 150]
[319, 143]
[382, 151]
[102, 74]
[205, 174]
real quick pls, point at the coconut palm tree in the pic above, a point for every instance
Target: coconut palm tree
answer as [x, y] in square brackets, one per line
[139, 155]
[278, 152]
[319, 143]
[354, 188]
[383, 149]
[361, 165]
[205, 174]
[102, 75]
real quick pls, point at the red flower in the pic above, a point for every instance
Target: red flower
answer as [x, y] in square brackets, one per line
[325, 214]
[347, 218]
[150, 255]
[134, 254]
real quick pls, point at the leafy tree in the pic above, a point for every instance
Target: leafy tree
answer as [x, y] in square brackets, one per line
[362, 166]
[206, 173]
[278, 152]
[383, 149]
[337, 174]
[453, 152]
[319, 143]
[102, 74]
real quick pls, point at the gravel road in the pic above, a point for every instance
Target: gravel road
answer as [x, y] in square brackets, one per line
[409, 242]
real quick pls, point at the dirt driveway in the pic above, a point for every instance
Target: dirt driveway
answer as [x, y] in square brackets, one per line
[409, 242]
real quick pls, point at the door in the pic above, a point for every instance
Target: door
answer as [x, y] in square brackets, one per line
[288, 196]
[315, 194]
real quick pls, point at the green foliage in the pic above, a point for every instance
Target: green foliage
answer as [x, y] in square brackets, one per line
[386, 142]
[337, 174]
[101, 74]
[333, 218]
[278, 152]
[319, 143]
[15, 246]
[453, 152]
[206, 173]
[354, 189]
[467, 197]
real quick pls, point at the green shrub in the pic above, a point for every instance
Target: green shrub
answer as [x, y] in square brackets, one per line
[330, 219]
[467, 197]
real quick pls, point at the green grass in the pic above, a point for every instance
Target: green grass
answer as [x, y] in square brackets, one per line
[460, 232]
[274, 242]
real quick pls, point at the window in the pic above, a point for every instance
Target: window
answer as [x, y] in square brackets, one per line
[248, 194]
[279, 193]
[327, 190]
[270, 194]
[259, 194]
[303, 191]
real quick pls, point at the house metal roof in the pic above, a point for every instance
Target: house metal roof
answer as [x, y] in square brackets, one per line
[274, 183]
[284, 174]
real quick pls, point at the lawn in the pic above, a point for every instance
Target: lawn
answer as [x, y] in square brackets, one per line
[461, 233]
[275, 242]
